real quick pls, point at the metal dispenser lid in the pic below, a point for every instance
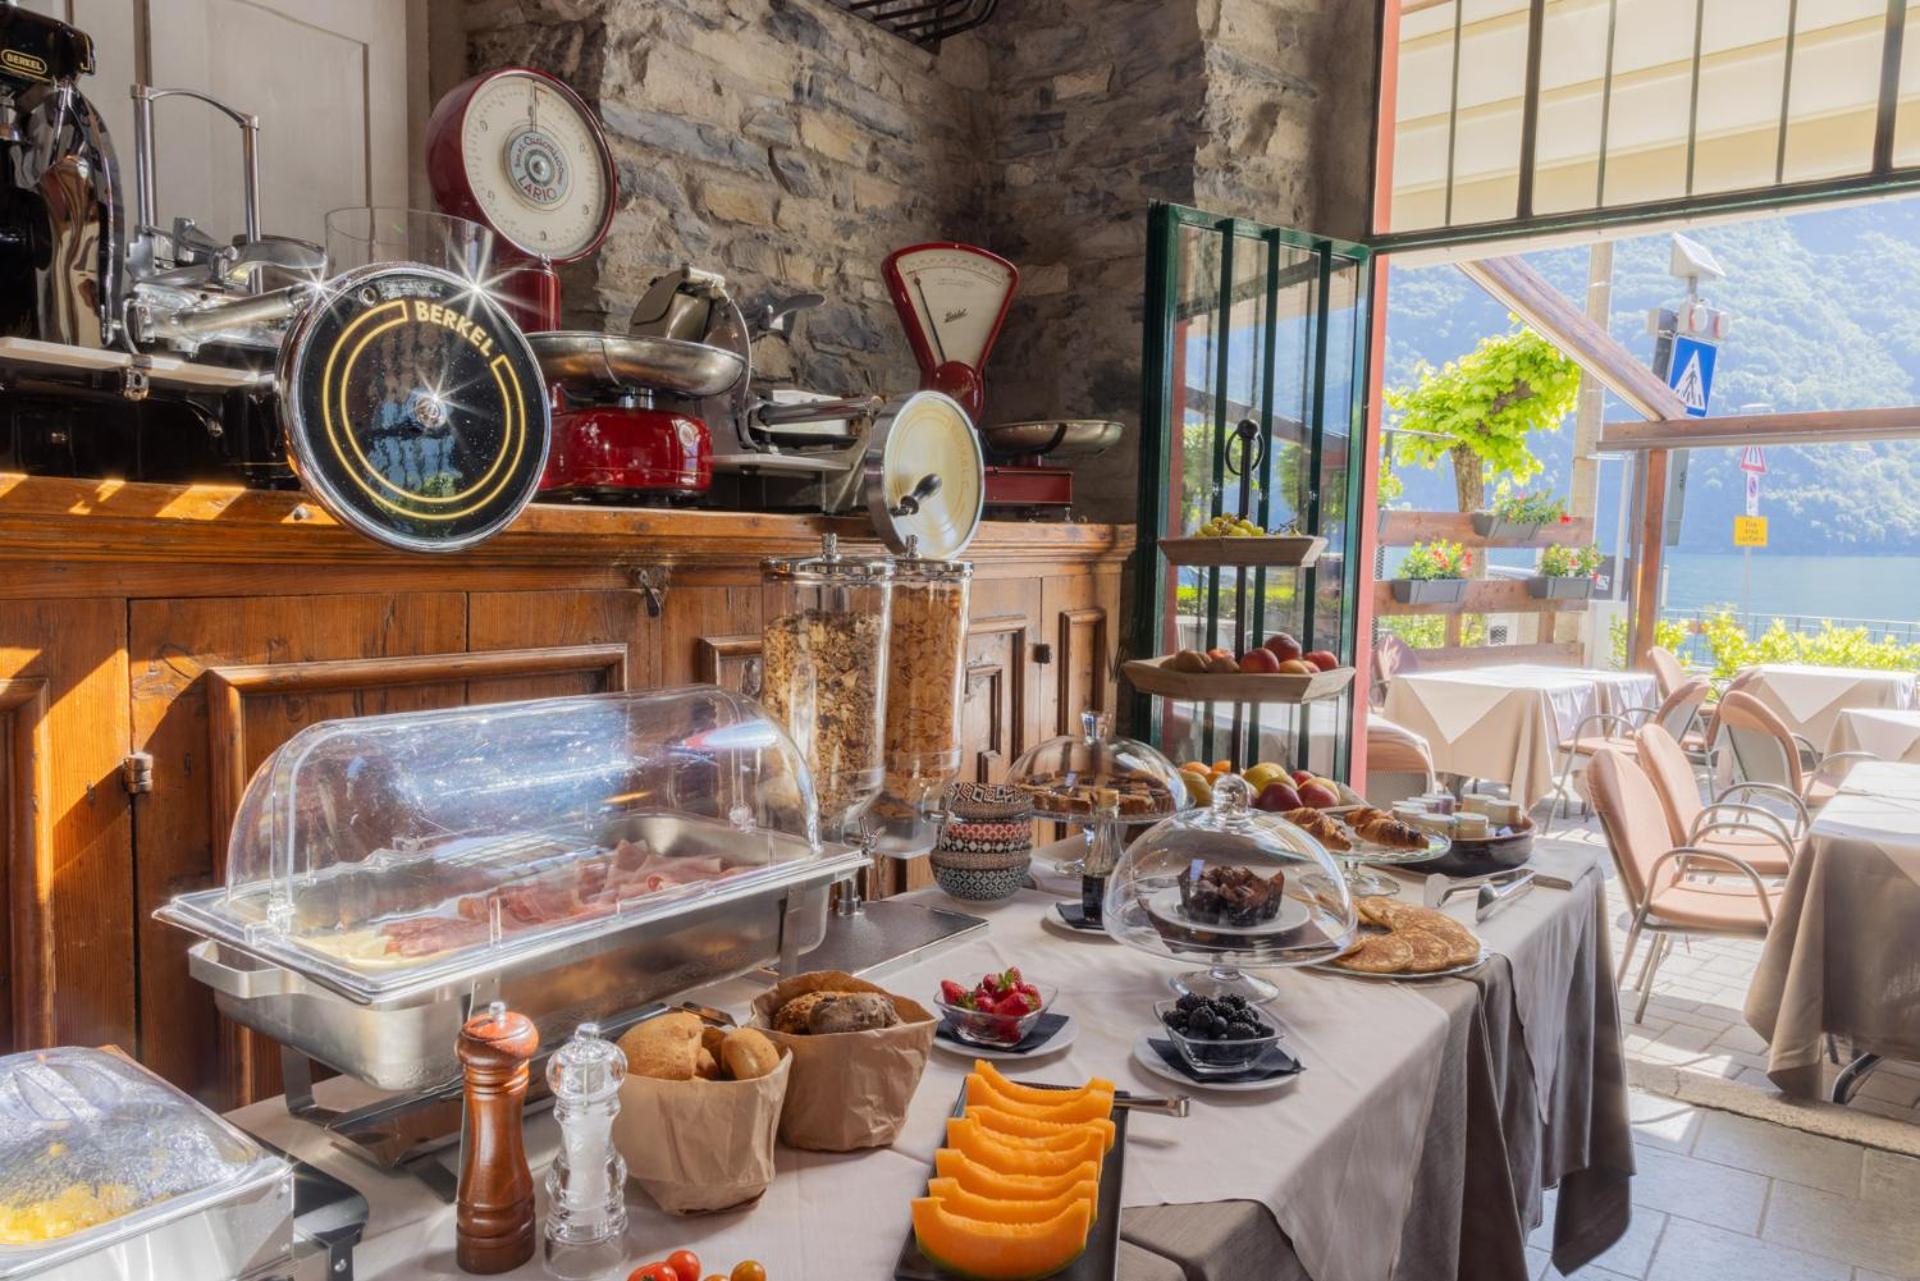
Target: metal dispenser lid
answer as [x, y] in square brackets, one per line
[925, 475]
[413, 408]
[909, 566]
[830, 566]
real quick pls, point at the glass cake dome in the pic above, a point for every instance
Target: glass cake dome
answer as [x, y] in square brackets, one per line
[1231, 887]
[1064, 773]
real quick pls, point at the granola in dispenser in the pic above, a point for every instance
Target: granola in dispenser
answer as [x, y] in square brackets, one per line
[926, 666]
[821, 678]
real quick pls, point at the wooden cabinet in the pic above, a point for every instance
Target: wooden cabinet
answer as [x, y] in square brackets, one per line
[168, 639]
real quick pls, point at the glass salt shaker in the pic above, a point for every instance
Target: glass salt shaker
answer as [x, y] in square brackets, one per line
[586, 1184]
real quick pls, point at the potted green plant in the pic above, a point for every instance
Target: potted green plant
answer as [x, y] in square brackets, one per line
[1433, 573]
[1520, 516]
[1565, 573]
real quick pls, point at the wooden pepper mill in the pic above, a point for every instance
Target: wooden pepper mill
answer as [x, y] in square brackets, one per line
[493, 1214]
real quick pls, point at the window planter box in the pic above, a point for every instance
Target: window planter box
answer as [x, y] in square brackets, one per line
[1487, 525]
[1543, 588]
[1429, 591]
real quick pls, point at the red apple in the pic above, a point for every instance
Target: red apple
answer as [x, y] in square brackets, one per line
[1302, 776]
[1283, 646]
[1318, 795]
[1323, 659]
[1277, 797]
[1259, 660]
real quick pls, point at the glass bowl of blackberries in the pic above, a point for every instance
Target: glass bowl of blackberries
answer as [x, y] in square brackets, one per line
[1217, 1035]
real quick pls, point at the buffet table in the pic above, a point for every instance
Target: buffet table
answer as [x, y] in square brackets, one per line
[1507, 722]
[1836, 960]
[1415, 1144]
[1810, 699]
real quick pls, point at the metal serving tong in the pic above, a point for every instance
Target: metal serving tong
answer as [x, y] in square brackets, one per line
[1167, 1105]
[1492, 894]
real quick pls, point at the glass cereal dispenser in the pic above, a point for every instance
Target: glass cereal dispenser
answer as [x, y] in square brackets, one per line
[823, 679]
[926, 678]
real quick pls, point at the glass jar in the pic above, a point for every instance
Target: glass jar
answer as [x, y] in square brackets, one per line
[823, 663]
[1233, 887]
[926, 676]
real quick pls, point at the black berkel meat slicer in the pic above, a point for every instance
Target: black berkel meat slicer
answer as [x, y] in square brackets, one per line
[376, 370]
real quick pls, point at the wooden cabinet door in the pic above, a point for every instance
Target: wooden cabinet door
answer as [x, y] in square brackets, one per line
[1000, 711]
[66, 902]
[1077, 616]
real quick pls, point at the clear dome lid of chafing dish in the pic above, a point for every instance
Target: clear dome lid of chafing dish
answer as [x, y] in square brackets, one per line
[1066, 775]
[1227, 883]
[375, 852]
[94, 1148]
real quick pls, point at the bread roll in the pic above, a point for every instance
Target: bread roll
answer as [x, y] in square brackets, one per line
[748, 1055]
[666, 1047]
[705, 1065]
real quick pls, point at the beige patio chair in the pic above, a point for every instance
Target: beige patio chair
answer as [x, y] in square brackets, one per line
[1758, 836]
[1661, 880]
[1668, 674]
[1391, 656]
[1762, 758]
[1676, 714]
[1399, 763]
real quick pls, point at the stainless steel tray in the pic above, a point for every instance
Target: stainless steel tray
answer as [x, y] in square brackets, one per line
[405, 1039]
[584, 361]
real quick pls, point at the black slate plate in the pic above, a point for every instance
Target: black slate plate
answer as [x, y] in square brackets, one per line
[1101, 1259]
[1044, 1029]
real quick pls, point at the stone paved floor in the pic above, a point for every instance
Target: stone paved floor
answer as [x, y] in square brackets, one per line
[1724, 1196]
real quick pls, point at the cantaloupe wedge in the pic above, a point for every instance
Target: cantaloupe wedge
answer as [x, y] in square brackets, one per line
[972, 1205]
[951, 1163]
[1033, 1094]
[1051, 1134]
[1000, 1251]
[1093, 1105]
[1009, 1156]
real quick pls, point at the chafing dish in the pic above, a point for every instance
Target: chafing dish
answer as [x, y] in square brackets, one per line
[574, 857]
[107, 1173]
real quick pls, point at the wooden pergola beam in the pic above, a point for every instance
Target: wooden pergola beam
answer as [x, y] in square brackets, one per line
[1528, 294]
[1822, 427]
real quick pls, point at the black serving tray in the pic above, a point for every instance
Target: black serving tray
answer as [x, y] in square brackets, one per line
[1100, 1261]
[1484, 856]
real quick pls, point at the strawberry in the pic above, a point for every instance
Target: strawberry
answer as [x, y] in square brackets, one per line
[953, 994]
[990, 984]
[1012, 977]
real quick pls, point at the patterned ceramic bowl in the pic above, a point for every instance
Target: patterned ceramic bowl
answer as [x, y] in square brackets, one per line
[977, 878]
[988, 803]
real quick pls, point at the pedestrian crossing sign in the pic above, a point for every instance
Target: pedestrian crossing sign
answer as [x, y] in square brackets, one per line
[1690, 373]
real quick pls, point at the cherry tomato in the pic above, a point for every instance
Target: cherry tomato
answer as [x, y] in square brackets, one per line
[685, 1264]
[653, 1272]
[748, 1271]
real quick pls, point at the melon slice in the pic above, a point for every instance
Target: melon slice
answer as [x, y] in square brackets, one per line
[1000, 1251]
[1050, 1134]
[1009, 1156]
[1034, 1094]
[971, 1175]
[973, 1205]
[1093, 1105]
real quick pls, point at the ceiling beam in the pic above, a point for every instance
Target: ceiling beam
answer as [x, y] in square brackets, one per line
[1526, 292]
[1824, 427]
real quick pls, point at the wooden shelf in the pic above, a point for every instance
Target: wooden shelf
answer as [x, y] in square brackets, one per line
[1484, 596]
[1403, 529]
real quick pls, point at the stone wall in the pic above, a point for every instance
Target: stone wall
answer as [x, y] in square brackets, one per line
[793, 146]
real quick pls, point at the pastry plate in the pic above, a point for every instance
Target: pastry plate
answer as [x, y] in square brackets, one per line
[1367, 852]
[967, 1050]
[1100, 1261]
[1452, 971]
[1165, 906]
[1152, 1064]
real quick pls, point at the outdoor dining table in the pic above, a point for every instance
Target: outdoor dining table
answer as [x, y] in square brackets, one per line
[1506, 722]
[1890, 734]
[1838, 958]
[1810, 699]
[1415, 1143]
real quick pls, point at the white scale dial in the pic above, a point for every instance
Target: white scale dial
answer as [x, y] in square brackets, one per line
[535, 166]
[956, 298]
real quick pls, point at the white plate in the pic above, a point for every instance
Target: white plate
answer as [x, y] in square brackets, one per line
[1061, 1040]
[1450, 972]
[1371, 853]
[1164, 905]
[1144, 1055]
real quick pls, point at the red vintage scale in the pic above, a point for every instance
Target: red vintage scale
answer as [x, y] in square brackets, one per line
[520, 153]
[952, 300]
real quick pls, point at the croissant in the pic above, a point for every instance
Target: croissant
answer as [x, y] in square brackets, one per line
[1320, 827]
[1388, 832]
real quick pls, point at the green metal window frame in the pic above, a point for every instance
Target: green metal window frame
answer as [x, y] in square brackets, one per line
[1158, 394]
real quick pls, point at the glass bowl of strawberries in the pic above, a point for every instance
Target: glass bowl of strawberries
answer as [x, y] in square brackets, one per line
[997, 1011]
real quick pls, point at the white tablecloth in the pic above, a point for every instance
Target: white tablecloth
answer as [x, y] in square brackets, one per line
[1334, 1149]
[1892, 735]
[1506, 722]
[1810, 699]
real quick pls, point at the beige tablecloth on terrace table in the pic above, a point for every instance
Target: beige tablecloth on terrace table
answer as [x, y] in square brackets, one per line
[1810, 699]
[1413, 1147]
[1506, 722]
[1892, 735]
[1840, 957]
